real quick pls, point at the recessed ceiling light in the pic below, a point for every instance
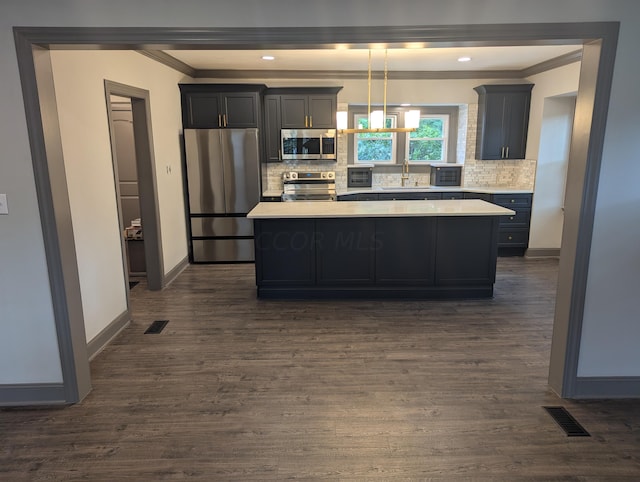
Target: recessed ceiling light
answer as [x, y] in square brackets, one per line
[404, 105]
[464, 59]
[268, 57]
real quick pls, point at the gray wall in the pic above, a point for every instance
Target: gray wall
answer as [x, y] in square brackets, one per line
[28, 347]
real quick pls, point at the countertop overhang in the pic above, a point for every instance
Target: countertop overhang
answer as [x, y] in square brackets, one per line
[373, 209]
[429, 188]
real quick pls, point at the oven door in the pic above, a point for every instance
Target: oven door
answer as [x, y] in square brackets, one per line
[309, 191]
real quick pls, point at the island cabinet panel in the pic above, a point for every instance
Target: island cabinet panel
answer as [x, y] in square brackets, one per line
[466, 250]
[374, 257]
[405, 253]
[345, 251]
[285, 252]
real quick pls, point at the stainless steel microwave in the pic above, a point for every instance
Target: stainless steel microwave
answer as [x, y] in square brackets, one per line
[308, 144]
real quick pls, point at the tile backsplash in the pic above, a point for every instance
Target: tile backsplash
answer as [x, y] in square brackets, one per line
[516, 174]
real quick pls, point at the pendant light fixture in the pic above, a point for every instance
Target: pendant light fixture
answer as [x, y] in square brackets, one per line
[377, 118]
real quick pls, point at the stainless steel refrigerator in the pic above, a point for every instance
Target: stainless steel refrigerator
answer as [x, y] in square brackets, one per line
[223, 185]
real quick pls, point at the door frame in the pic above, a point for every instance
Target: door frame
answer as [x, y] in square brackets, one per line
[147, 184]
[598, 38]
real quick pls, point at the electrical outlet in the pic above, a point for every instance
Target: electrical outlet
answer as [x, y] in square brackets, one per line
[4, 209]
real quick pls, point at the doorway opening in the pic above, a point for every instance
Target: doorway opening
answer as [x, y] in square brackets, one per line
[135, 183]
[127, 191]
[32, 44]
[551, 175]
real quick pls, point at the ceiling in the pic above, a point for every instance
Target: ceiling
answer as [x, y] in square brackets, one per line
[398, 59]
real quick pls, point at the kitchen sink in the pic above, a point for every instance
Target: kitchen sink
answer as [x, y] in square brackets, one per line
[406, 188]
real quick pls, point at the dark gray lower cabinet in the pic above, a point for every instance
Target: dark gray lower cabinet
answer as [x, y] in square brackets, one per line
[394, 257]
[513, 237]
[409, 196]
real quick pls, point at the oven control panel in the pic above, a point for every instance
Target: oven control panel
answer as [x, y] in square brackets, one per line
[311, 176]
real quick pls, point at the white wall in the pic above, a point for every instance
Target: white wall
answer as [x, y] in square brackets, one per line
[560, 81]
[79, 81]
[549, 133]
[547, 214]
[611, 331]
[28, 348]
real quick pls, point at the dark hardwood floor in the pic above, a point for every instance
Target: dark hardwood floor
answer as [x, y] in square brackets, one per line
[237, 388]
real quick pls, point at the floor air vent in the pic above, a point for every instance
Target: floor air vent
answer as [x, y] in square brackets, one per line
[566, 421]
[156, 327]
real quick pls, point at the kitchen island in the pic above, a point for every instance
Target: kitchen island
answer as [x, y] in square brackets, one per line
[376, 249]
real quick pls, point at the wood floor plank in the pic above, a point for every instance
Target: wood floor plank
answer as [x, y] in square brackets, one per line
[237, 388]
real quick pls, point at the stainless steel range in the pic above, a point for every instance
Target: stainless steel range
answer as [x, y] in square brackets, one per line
[309, 186]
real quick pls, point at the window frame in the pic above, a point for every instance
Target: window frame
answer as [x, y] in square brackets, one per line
[393, 137]
[446, 120]
[452, 110]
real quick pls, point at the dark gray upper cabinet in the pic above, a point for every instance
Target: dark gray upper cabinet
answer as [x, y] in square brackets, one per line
[310, 111]
[219, 106]
[503, 121]
[272, 128]
[306, 107]
[296, 108]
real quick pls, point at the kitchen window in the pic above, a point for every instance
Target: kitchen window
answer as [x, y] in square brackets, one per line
[378, 147]
[434, 141]
[429, 142]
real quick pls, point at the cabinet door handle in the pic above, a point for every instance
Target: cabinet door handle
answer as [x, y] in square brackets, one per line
[224, 118]
[310, 121]
[219, 120]
[502, 153]
[306, 121]
[510, 238]
[279, 154]
[507, 156]
[510, 218]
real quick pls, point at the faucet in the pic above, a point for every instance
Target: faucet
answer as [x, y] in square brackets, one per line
[405, 172]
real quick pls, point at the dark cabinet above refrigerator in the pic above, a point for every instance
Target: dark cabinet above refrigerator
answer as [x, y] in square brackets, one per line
[221, 106]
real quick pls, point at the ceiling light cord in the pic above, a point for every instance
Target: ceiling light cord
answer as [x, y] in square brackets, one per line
[369, 93]
[384, 98]
[369, 129]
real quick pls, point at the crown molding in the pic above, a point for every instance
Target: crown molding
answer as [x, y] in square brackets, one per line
[357, 75]
[186, 69]
[554, 63]
[169, 61]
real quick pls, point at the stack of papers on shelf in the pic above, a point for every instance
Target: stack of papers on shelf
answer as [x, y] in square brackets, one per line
[134, 231]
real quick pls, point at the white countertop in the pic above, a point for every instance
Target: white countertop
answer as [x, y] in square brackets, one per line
[375, 209]
[272, 193]
[362, 190]
[485, 189]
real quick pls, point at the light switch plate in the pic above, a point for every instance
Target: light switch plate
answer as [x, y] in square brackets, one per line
[4, 209]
